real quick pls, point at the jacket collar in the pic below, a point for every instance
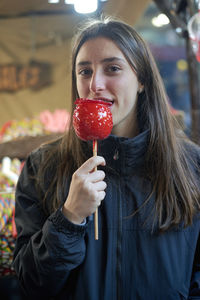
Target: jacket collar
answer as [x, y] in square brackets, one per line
[124, 155]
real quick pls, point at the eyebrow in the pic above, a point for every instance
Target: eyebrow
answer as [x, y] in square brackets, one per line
[108, 59]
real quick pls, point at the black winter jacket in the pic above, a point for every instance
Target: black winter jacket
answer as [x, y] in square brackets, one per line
[55, 259]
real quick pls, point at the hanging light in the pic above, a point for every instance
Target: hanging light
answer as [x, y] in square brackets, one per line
[85, 6]
[160, 20]
[53, 1]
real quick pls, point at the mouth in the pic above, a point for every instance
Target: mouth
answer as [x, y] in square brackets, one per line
[104, 100]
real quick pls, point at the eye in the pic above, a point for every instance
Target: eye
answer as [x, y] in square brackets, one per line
[113, 69]
[85, 72]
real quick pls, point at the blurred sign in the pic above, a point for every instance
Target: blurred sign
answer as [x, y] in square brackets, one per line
[15, 77]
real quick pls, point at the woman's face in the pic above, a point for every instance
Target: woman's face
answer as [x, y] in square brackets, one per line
[102, 71]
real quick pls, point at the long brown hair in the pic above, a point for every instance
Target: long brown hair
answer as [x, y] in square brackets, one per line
[169, 169]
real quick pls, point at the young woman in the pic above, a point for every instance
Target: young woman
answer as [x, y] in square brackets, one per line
[147, 176]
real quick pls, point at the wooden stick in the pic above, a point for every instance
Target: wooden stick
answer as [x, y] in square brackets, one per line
[96, 233]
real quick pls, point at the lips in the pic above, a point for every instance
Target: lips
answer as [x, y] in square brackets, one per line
[106, 100]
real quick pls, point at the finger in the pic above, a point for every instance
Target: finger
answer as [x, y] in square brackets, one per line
[101, 195]
[91, 164]
[100, 186]
[95, 176]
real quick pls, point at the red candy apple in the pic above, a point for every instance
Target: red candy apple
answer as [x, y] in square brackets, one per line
[92, 119]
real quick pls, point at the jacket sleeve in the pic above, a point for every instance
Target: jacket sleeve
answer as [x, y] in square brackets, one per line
[195, 280]
[47, 248]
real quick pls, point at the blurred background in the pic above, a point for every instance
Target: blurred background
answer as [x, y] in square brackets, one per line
[35, 87]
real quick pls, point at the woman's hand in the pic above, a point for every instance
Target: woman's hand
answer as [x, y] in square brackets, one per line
[87, 190]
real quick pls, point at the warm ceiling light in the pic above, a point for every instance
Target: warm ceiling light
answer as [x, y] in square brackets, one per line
[72, 1]
[160, 20]
[53, 1]
[86, 6]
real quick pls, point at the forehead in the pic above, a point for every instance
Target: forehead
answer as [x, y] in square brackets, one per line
[98, 48]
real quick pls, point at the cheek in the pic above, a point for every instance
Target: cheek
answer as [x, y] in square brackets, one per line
[81, 88]
[118, 84]
[131, 88]
[126, 84]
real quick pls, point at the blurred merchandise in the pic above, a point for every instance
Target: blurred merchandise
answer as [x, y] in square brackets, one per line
[46, 123]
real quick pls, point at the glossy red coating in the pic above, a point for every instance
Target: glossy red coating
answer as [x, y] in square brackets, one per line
[92, 119]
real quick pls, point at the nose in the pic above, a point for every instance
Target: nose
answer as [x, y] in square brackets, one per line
[97, 82]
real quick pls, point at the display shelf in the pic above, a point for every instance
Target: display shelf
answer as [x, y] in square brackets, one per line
[21, 147]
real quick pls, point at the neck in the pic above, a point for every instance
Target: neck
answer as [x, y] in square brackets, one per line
[127, 129]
